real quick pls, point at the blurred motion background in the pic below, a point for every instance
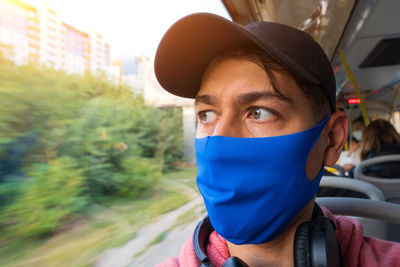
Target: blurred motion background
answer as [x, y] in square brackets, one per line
[91, 148]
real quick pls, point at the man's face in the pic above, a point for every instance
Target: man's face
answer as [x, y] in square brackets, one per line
[236, 99]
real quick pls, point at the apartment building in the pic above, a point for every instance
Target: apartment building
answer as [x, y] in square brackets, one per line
[99, 54]
[19, 32]
[75, 50]
[50, 26]
[37, 34]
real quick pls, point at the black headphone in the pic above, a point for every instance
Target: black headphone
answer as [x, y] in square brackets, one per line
[315, 243]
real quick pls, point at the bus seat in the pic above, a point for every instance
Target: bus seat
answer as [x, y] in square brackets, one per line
[371, 191]
[372, 226]
[389, 186]
[366, 208]
[379, 218]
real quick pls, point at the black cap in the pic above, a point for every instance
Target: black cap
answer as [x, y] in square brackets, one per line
[193, 41]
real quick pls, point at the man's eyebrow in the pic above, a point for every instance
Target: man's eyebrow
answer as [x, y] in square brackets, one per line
[206, 99]
[247, 98]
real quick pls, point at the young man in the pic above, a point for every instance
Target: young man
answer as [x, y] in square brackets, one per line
[265, 101]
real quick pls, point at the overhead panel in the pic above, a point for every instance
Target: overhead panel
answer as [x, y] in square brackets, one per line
[385, 53]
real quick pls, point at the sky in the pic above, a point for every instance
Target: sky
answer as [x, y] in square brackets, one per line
[130, 27]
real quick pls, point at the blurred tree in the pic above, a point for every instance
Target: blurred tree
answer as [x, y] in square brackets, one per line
[52, 192]
[81, 137]
[173, 137]
[137, 179]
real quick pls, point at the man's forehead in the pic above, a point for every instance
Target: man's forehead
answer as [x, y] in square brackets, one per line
[277, 83]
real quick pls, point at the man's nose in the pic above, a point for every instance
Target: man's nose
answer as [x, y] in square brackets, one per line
[228, 126]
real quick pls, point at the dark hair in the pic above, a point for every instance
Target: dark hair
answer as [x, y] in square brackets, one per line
[378, 133]
[314, 92]
[359, 119]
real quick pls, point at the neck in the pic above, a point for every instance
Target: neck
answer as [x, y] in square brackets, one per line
[277, 252]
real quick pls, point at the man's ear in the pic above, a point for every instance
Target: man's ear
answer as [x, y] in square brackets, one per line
[338, 127]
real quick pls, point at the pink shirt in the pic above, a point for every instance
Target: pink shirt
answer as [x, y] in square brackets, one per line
[357, 250]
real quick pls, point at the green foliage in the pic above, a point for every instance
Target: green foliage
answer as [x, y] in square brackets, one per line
[138, 178]
[174, 137]
[159, 238]
[52, 192]
[108, 134]
[69, 140]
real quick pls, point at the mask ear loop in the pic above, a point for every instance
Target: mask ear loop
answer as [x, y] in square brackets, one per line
[321, 124]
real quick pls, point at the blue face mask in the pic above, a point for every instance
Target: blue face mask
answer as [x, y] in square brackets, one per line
[254, 187]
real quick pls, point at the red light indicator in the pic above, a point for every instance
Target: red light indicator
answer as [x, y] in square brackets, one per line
[353, 101]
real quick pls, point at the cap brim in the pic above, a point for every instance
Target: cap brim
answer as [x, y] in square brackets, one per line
[191, 43]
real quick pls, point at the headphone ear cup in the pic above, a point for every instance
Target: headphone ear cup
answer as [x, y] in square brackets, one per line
[302, 245]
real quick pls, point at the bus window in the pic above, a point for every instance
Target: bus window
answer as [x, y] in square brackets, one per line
[94, 157]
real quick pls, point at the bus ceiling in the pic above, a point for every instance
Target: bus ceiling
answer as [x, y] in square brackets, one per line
[324, 20]
[367, 33]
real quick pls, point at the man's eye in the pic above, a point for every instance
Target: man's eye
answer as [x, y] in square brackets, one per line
[261, 114]
[207, 116]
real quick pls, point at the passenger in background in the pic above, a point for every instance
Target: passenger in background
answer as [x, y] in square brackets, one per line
[349, 159]
[380, 138]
